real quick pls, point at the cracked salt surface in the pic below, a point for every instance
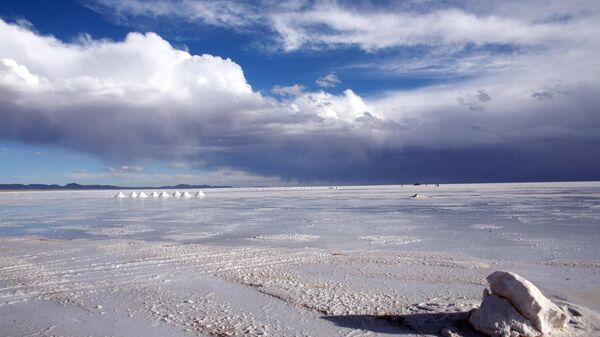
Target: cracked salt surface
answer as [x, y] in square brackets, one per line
[319, 262]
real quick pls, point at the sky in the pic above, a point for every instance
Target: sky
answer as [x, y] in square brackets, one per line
[150, 93]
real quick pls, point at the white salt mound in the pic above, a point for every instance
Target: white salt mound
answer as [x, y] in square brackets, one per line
[200, 194]
[177, 194]
[120, 195]
[497, 317]
[186, 195]
[528, 300]
[154, 195]
[531, 314]
[417, 196]
[133, 195]
[164, 195]
[142, 195]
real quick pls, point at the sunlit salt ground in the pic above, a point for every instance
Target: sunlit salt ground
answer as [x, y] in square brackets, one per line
[525, 221]
[352, 261]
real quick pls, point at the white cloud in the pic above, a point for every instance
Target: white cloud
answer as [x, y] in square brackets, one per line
[292, 90]
[179, 166]
[328, 81]
[376, 30]
[347, 107]
[124, 169]
[217, 13]
[317, 24]
[143, 62]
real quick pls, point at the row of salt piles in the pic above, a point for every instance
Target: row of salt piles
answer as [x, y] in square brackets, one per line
[163, 195]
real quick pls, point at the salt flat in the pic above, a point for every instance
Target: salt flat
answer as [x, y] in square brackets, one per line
[314, 262]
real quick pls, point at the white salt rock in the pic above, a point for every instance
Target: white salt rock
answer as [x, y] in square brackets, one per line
[120, 195]
[186, 195]
[177, 194]
[200, 194]
[528, 300]
[497, 317]
[133, 195]
[142, 195]
[164, 195]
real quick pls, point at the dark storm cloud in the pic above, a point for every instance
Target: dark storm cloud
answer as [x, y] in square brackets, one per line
[540, 96]
[483, 96]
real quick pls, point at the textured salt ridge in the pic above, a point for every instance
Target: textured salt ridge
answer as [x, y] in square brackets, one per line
[407, 292]
[287, 237]
[389, 239]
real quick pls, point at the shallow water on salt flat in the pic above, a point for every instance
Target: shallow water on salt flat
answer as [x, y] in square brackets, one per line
[524, 221]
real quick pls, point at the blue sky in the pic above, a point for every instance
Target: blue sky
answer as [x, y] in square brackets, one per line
[307, 92]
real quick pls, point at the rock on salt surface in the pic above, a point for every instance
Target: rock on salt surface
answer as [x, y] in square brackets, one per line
[528, 300]
[497, 317]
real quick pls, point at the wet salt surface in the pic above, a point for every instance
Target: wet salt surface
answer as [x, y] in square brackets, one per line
[525, 221]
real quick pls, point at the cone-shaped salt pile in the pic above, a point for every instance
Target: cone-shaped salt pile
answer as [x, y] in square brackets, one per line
[133, 195]
[186, 195]
[200, 194]
[120, 195]
[177, 194]
[154, 195]
[164, 195]
[142, 195]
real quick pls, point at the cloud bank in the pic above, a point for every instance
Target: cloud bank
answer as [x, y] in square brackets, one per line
[534, 118]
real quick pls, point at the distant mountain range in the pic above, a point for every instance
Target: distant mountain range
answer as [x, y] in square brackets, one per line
[74, 186]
